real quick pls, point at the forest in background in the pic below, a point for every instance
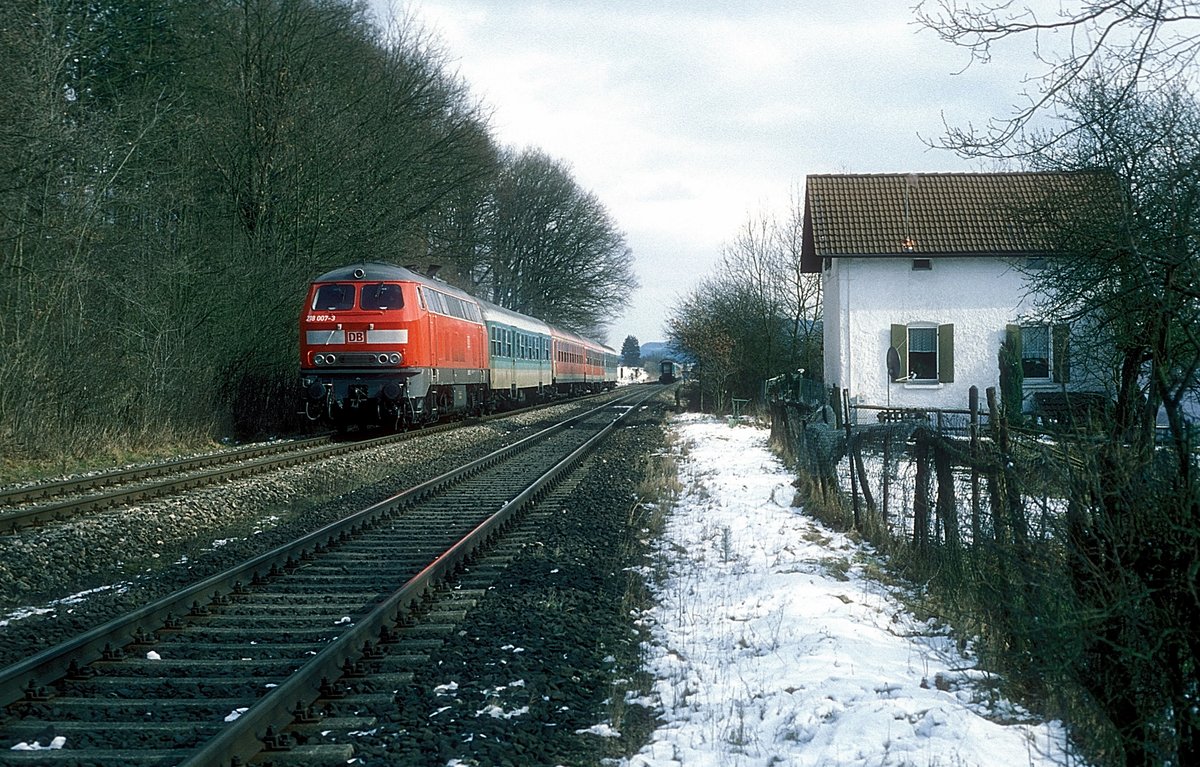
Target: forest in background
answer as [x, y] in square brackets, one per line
[172, 174]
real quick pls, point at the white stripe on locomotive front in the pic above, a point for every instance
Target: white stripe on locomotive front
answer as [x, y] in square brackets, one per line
[324, 337]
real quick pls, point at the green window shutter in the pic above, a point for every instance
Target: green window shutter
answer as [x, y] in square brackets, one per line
[946, 353]
[1060, 353]
[900, 344]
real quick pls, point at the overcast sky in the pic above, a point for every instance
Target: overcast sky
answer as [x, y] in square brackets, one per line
[687, 117]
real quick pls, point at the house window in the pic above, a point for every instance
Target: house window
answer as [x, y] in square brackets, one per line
[1044, 351]
[1035, 351]
[924, 353]
[922, 264]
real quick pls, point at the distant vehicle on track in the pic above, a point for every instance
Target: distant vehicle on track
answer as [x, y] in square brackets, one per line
[668, 371]
[381, 345]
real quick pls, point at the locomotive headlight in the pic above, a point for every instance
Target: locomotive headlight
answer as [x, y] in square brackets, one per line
[383, 359]
[318, 359]
[395, 358]
[330, 359]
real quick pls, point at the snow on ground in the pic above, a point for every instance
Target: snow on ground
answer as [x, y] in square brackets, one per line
[772, 647]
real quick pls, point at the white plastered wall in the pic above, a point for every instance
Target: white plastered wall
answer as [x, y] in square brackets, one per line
[864, 297]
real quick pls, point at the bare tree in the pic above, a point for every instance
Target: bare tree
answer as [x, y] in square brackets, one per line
[555, 252]
[698, 326]
[1138, 43]
[803, 292]
[746, 323]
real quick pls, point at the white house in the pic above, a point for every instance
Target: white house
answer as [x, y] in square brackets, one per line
[925, 275]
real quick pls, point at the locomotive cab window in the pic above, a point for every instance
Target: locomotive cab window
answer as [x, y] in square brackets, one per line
[334, 297]
[381, 296]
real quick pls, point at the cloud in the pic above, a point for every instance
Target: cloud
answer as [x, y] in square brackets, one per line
[684, 116]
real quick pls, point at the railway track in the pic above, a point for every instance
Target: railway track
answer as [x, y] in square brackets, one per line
[232, 665]
[57, 501]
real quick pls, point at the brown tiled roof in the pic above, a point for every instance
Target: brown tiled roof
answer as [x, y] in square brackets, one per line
[938, 214]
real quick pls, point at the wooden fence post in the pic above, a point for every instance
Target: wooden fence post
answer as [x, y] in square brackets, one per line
[850, 460]
[885, 482]
[976, 527]
[864, 481]
[947, 507]
[921, 493]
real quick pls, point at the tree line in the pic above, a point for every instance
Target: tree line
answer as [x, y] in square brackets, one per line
[172, 174]
[757, 316]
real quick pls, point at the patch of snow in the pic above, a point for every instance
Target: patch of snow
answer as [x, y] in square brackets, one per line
[446, 689]
[21, 613]
[771, 645]
[603, 730]
[497, 712]
[55, 744]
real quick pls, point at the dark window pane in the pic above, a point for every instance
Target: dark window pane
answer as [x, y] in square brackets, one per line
[922, 366]
[381, 296]
[1035, 351]
[334, 297]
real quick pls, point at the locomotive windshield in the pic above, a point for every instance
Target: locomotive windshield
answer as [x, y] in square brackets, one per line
[381, 295]
[334, 297]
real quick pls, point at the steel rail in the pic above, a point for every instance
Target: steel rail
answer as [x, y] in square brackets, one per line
[297, 453]
[27, 677]
[243, 739]
[16, 495]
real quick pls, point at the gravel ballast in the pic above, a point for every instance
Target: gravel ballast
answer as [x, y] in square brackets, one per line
[559, 637]
[541, 671]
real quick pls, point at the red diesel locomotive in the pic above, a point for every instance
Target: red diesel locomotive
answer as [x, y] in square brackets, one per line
[384, 345]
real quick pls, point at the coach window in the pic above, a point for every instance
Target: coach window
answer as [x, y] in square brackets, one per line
[434, 300]
[381, 296]
[334, 297]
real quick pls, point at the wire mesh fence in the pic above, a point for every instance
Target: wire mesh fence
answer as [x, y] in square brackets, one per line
[1067, 548]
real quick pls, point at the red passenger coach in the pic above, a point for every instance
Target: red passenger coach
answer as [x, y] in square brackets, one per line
[581, 364]
[383, 345]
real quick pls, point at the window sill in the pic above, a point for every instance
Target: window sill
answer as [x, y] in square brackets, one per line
[922, 385]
